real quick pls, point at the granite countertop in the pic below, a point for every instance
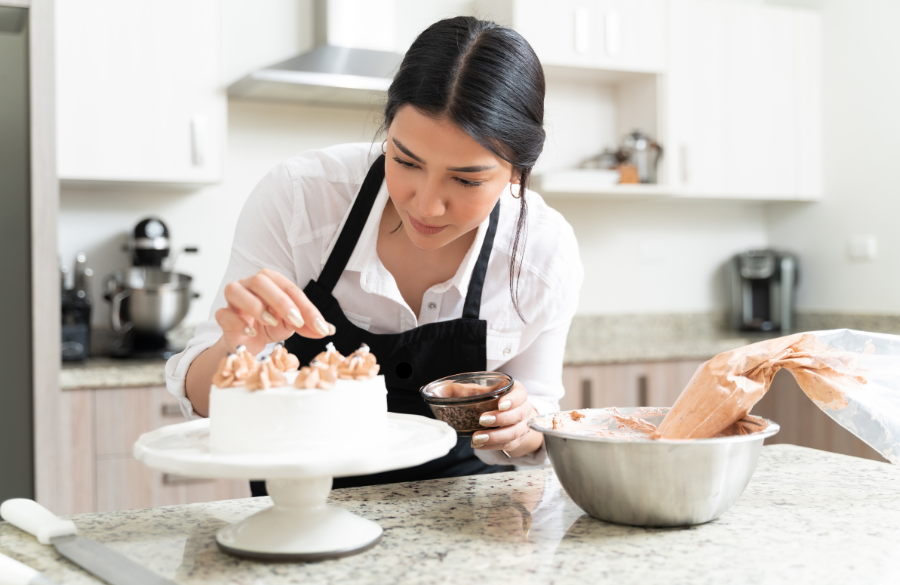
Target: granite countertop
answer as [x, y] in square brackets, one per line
[806, 517]
[112, 373]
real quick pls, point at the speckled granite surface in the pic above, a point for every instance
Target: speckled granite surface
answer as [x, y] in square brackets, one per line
[112, 373]
[593, 339]
[609, 339]
[806, 517]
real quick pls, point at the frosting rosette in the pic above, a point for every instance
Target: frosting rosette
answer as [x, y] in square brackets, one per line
[266, 376]
[360, 365]
[316, 375]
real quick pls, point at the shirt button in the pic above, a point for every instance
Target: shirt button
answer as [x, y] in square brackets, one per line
[432, 306]
[506, 351]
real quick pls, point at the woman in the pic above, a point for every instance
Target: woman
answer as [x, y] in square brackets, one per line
[417, 248]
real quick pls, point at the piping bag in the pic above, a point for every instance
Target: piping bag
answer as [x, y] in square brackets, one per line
[853, 376]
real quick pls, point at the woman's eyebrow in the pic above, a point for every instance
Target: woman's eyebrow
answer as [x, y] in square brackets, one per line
[475, 169]
[406, 151]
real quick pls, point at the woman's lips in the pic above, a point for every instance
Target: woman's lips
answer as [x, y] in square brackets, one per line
[428, 230]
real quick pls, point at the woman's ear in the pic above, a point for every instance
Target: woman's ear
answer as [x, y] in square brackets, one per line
[516, 177]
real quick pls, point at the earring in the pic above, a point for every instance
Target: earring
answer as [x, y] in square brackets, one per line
[384, 147]
[514, 196]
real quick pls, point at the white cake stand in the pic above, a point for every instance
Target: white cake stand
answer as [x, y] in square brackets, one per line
[299, 526]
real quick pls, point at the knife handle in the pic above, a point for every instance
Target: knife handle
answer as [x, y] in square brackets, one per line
[12, 572]
[35, 519]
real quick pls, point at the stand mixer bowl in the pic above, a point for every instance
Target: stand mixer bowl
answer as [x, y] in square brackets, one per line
[148, 300]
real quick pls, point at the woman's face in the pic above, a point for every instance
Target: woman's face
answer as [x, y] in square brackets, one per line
[441, 181]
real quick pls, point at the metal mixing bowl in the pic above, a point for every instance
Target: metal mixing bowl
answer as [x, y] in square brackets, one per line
[148, 300]
[643, 482]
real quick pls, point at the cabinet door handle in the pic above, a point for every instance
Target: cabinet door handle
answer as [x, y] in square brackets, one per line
[171, 410]
[586, 393]
[642, 391]
[199, 138]
[175, 479]
[685, 164]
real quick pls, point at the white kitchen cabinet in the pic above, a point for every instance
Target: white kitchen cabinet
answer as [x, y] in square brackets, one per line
[139, 91]
[616, 35]
[742, 101]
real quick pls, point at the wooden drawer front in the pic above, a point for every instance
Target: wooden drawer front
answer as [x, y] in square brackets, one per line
[124, 484]
[124, 415]
[626, 385]
[76, 457]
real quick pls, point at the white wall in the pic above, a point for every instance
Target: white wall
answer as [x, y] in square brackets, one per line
[861, 150]
[659, 257]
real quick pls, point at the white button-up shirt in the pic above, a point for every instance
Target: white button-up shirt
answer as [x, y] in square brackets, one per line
[293, 218]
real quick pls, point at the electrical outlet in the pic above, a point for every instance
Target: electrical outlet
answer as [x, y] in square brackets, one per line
[863, 248]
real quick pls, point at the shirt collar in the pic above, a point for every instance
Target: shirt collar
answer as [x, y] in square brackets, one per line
[365, 257]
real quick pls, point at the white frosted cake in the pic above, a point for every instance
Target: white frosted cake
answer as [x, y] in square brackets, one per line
[335, 403]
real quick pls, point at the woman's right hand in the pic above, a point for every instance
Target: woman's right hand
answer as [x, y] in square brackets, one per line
[268, 308]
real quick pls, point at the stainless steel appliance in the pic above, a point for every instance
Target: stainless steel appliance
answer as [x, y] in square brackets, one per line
[643, 152]
[763, 284]
[147, 301]
[329, 72]
[76, 311]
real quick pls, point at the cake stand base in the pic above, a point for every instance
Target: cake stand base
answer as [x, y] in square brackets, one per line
[299, 526]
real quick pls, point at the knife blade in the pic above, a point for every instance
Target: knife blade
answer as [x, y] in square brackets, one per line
[98, 559]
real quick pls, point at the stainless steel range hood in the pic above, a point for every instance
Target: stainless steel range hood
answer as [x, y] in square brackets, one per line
[329, 74]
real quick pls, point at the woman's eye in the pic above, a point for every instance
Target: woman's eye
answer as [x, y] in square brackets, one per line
[402, 162]
[466, 183]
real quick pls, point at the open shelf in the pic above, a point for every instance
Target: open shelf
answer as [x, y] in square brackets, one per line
[596, 185]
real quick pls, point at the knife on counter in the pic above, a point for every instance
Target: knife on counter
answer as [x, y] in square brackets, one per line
[98, 559]
[12, 572]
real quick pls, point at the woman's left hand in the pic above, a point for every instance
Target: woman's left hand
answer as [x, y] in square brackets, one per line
[507, 427]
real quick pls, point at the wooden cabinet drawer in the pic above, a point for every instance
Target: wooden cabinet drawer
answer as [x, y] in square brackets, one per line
[626, 385]
[126, 483]
[123, 415]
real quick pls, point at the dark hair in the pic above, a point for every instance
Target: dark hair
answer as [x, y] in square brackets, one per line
[486, 79]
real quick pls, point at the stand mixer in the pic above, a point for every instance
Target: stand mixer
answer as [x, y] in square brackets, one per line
[147, 300]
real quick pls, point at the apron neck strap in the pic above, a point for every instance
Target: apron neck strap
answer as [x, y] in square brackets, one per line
[356, 221]
[472, 308]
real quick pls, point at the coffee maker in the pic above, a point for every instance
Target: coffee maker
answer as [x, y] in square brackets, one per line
[763, 284]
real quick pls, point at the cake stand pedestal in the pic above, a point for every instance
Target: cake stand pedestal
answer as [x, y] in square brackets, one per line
[300, 525]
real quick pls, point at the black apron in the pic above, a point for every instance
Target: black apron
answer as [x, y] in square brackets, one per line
[411, 359]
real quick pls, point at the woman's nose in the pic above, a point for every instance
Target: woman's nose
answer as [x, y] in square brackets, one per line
[429, 202]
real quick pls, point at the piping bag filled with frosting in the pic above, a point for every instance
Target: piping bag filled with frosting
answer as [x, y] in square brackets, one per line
[853, 376]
